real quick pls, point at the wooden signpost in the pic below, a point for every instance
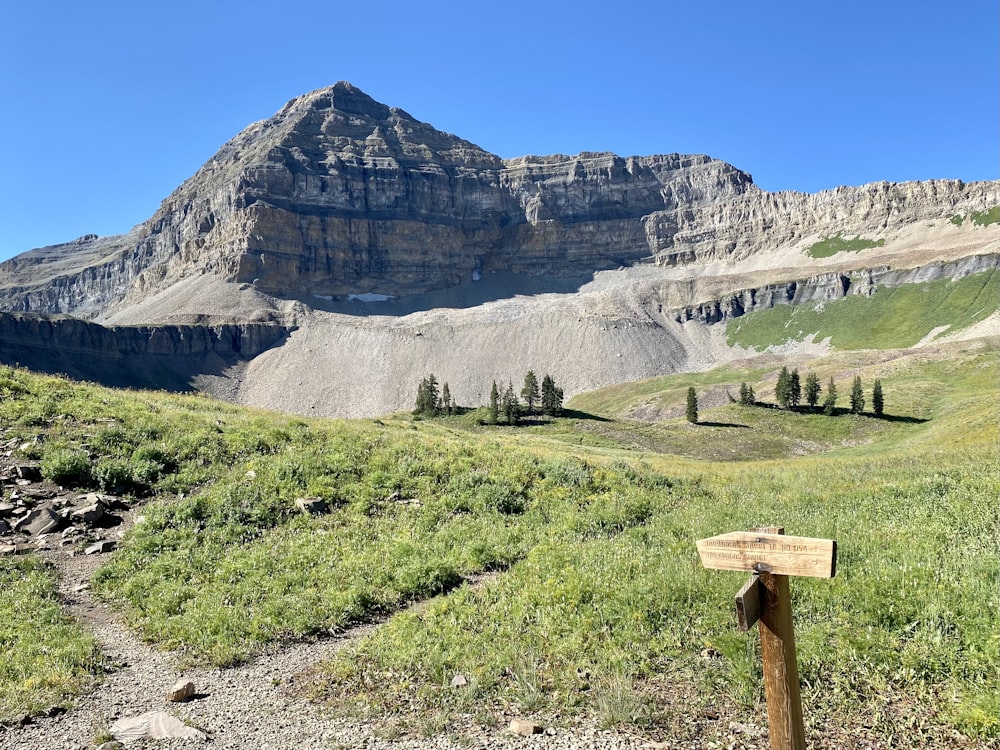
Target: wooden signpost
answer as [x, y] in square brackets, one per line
[771, 557]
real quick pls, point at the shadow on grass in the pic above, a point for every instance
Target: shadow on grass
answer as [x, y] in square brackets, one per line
[899, 418]
[574, 414]
[723, 424]
[838, 411]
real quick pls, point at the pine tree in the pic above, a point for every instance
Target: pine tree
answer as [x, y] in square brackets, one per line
[692, 406]
[509, 405]
[552, 397]
[494, 404]
[744, 394]
[782, 389]
[878, 403]
[857, 396]
[794, 389]
[830, 401]
[446, 399]
[428, 402]
[530, 391]
[812, 390]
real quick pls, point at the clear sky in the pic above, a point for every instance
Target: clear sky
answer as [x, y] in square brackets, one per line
[107, 106]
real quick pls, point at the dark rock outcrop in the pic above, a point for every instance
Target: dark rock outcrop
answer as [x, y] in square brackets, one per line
[166, 357]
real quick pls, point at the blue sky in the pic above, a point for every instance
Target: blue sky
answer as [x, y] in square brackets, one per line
[108, 106]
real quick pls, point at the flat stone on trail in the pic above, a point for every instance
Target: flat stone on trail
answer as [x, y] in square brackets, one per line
[156, 725]
[524, 727]
[311, 505]
[39, 521]
[182, 690]
[99, 548]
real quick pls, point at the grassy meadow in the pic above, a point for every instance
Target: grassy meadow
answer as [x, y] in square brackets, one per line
[893, 317]
[552, 565]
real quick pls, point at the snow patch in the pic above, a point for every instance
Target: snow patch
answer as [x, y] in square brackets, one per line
[370, 297]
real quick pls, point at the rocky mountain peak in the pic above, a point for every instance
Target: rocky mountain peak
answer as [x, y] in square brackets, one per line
[338, 194]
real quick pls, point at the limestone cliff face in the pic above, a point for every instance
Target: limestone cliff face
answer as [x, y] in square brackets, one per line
[831, 286]
[757, 221]
[338, 194]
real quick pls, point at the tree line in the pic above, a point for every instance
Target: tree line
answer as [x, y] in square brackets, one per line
[505, 407]
[789, 393]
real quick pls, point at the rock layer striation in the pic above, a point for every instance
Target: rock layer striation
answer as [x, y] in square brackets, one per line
[339, 195]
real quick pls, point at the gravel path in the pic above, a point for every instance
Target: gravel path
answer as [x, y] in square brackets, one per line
[256, 705]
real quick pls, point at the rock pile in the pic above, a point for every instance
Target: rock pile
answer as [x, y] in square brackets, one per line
[37, 514]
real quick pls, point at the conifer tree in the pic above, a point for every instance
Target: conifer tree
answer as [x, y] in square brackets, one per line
[494, 404]
[692, 406]
[812, 390]
[857, 396]
[782, 389]
[830, 401]
[446, 399]
[428, 401]
[509, 405]
[744, 394]
[552, 397]
[794, 389]
[878, 403]
[530, 391]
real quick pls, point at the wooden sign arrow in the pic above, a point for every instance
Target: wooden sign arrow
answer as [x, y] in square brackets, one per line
[770, 553]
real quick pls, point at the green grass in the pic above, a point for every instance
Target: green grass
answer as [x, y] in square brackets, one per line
[891, 318]
[45, 658]
[914, 610]
[830, 246]
[594, 601]
[986, 218]
[979, 218]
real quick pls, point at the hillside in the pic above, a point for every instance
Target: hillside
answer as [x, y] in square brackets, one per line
[552, 565]
[376, 248]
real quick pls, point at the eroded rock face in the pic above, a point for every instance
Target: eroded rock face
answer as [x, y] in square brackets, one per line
[832, 286]
[338, 194]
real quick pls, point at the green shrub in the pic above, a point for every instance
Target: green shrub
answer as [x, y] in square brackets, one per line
[67, 466]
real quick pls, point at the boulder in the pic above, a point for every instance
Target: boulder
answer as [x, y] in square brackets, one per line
[524, 727]
[311, 505]
[39, 521]
[30, 473]
[183, 690]
[89, 514]
[99, 548]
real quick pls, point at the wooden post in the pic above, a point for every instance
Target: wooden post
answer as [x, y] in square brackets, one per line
[781, 672]
[772, 557]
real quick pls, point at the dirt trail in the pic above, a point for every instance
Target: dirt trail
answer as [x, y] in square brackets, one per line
[255, 705]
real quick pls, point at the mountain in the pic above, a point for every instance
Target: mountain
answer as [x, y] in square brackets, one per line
[378, 248]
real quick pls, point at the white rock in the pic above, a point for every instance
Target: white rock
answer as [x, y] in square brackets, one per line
[156, 725]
